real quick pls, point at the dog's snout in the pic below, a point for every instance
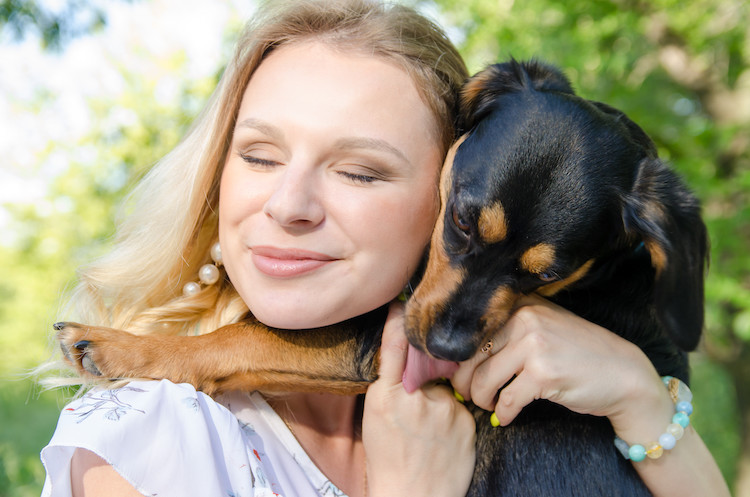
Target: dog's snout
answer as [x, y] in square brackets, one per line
[445, 344]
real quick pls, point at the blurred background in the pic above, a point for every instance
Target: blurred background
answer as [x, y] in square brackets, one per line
[92, 93]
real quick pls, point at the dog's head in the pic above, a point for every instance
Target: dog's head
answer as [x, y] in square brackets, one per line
[542, 186]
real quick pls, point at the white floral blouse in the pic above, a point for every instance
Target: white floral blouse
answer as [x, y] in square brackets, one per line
[167, 439]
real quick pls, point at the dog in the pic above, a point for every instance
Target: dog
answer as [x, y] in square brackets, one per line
[545, 193]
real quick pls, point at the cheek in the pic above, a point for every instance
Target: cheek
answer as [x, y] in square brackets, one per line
[404, 226]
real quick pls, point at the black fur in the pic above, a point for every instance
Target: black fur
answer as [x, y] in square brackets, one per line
[582, 177]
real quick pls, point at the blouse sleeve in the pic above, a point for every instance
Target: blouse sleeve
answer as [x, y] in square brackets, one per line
[163, 438]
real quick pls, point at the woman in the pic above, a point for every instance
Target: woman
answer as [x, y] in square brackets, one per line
[316, 164]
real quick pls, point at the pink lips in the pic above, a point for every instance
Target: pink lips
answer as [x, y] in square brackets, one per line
[285, 263]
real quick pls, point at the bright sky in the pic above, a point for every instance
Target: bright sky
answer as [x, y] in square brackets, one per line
[43, 96]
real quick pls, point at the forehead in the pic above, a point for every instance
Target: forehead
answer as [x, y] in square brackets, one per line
[323, 70]
[315, 81]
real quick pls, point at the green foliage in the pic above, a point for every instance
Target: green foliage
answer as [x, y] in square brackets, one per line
[68, 229]
[54, 26]
[28, 422]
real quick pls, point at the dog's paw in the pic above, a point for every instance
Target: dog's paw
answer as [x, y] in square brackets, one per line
[94, 351]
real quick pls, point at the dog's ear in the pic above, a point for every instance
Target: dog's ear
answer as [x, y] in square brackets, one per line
[634, 131]
[481, 91]
[662, 213]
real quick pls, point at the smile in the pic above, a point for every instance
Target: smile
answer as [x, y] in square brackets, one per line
[286, 263]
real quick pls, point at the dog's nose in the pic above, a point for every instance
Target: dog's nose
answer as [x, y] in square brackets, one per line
[450, 345]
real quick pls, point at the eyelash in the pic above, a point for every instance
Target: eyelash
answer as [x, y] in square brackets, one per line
[259, 162]
[358, 178]
[355, 178]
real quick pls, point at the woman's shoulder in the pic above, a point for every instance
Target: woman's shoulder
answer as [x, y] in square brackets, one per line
[158, 435]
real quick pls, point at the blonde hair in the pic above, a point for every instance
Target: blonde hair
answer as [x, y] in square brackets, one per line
[170, 219]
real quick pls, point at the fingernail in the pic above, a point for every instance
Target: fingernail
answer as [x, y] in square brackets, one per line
[494, 421]
[458, 396]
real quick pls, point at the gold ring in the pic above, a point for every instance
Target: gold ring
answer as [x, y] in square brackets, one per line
[487, 348]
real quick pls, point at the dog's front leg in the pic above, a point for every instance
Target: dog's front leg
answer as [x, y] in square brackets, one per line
[242, 356]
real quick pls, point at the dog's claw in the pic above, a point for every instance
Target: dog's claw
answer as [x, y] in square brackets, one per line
[81, 345]
[88, 364]
[66, 352]
[59, 326]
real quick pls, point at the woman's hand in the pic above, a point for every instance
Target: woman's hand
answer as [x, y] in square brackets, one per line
[422, 443]
[550, 353]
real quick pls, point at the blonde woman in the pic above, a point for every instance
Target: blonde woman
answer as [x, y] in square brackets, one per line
[315, 165]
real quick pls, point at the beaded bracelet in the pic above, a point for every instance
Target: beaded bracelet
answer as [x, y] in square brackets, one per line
[682, 398]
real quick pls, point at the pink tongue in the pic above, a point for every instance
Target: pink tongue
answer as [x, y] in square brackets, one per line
[421, 368]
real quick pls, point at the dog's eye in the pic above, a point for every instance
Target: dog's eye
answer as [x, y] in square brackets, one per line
[459, 221]
[547, 277]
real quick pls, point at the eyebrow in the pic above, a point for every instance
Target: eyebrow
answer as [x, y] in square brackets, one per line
[346, 143]
[356, 142]
[262, 126]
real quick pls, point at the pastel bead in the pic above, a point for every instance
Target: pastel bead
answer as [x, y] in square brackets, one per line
[208, 274]
[682, 398]
[637, 453]
[684, 406]
[668, 441]
[654, 451]
[191, 289]
[683, 393]
[676, 430]
[681, 419]
[494, 421]
[216, 254]
[622, 446]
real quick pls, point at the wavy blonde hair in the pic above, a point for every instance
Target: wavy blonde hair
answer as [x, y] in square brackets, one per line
[170, 219]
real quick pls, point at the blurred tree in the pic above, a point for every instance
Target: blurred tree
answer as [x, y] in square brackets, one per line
[54, 23]
[69, 228]
[682, 71]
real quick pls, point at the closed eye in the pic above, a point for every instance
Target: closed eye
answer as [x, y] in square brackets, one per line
[257, 161]
[358, 178]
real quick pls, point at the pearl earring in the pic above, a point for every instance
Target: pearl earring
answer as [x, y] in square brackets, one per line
[208, 273]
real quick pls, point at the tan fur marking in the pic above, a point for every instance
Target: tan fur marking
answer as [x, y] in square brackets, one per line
[538, 258]
[658, 257]
[440, 280]
[553, 288]
[498, 309]
[475, 86]
[493, 227]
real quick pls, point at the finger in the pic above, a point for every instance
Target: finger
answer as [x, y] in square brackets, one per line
[514, 397]
[462, 378]
[394, 346]
[493, 374]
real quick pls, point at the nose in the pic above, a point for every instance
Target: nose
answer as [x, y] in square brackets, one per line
[295, 201]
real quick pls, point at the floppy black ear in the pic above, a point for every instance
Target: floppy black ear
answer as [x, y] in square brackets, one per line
[665, 215]
[480, 92]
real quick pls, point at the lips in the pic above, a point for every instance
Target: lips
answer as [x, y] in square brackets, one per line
[287, 262]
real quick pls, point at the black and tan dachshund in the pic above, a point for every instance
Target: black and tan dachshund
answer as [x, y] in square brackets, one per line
[546, 193]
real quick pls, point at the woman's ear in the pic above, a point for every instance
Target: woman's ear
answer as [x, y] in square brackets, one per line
[666, 216]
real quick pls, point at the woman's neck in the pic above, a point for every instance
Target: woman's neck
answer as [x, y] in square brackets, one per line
[328, 427]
